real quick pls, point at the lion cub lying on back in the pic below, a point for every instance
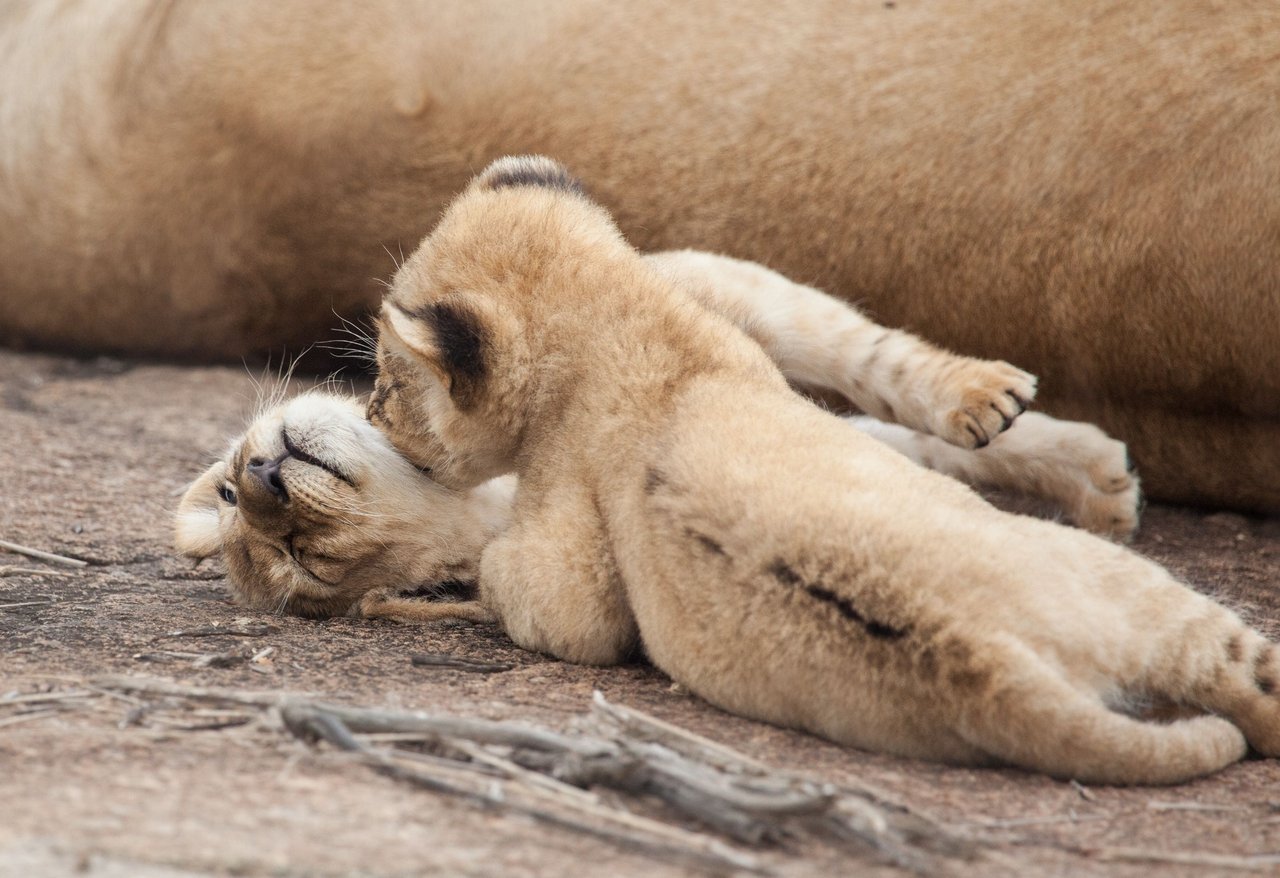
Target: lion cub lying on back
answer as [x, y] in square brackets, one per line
[317, 515]
[673, 491]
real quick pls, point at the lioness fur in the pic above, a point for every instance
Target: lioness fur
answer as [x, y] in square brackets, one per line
[674, 492]
[317, 516]
[1085, 189]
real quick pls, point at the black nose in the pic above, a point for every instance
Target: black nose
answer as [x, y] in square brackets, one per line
[268, 472]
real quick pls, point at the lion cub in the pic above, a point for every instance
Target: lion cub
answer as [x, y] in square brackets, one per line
[318, 516]
[674, 492]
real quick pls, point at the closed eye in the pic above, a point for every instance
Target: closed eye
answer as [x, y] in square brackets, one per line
[298, 454]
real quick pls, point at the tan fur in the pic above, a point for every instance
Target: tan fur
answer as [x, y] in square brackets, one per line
[1085, 189]
[673, 491]
[336, 545]
[390, 526]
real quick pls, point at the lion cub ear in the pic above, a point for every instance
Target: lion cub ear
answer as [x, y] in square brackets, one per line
[196, 531]
[450, 337]
[527, 170]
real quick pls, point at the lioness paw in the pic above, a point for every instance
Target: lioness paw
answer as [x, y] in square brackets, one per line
[989, 396]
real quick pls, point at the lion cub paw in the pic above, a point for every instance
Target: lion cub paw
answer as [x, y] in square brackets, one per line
[989, 395]
[1108, 499]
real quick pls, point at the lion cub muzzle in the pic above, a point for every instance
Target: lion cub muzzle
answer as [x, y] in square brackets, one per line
[267, 472]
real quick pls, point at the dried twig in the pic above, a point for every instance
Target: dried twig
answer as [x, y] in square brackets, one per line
[247, 629]
[1192, 806]
[683, 741]
[1022, 822]
[1256, 863]
[458, 663]
[148, 686]
[654, 837]
[36, 697]
[862, 812]
[210, 725]
[27, 604]
[40, 713]
[1083, 791]
[49, 557]
[33, 571]
[548, 775]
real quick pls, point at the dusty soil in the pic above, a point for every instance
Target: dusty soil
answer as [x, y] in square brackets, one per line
[93, 456]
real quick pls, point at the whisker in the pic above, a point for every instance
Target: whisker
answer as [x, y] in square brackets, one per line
[393, 258]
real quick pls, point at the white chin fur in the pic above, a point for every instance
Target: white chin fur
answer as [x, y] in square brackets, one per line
[196, 532]
[335, 430]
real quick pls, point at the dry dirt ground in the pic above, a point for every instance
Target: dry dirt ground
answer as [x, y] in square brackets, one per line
[93, 456]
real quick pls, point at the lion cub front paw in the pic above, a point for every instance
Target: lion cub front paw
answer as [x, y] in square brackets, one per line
[982, 400]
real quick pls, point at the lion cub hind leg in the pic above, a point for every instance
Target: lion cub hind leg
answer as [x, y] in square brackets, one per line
[551, 580]
[1213, 661]
[1036, 719]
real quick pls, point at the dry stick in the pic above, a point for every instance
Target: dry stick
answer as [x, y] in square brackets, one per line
[696, 747]
[691, 744]
[1083, 791]
[149, 686]
[581, 799]
[1256, 863]
[364, 720]
[458, 663]
[259, 629]
[1022, 822]
[1192, 806]
[44, 696]
[305, 720]
[859, 814]
[33, 571]
[27, 604]
[50, 557]
[533, 778]
[748, 807]
[481, 731]
[24, 717]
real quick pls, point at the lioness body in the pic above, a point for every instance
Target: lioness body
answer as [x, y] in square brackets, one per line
[673, 491]
[1085, 189]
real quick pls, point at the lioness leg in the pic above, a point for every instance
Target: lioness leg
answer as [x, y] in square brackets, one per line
[551, 581]
[1076, 466]
[819, 341]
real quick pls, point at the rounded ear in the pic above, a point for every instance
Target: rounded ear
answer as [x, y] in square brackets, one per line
[527, 170]
[451, 337]
[196, 531]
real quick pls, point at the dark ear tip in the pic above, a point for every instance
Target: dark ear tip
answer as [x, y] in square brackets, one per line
[528, 170]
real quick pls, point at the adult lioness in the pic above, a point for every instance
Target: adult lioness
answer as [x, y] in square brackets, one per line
[672, 490]
[1086, 189]
[316, 514]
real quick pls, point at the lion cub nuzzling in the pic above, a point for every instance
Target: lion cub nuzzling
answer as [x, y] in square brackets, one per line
[673, 491]
[317, 515]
